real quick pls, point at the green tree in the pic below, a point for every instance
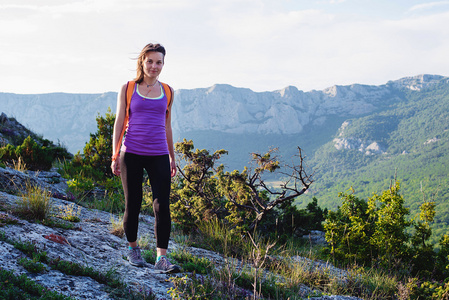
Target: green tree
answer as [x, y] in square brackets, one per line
[424, 256]
[378, 231]
[349, 230]
[390, 236]
[242, 199]
[95, 162]
[194, 194]
[442, 259]
[98, 151]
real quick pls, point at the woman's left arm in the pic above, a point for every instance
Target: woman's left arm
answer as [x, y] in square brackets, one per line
[169, 134]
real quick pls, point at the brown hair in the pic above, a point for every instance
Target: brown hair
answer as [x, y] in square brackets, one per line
[141, 58]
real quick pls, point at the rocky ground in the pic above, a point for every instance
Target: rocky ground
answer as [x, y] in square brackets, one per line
[89, 244]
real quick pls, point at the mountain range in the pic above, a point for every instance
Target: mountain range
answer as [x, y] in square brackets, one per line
[69, 118]
[362, 136]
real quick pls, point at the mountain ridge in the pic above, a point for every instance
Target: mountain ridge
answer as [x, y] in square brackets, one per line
[70, 118]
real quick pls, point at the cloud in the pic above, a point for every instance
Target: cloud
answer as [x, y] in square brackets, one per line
[428, 6]
[88, 45]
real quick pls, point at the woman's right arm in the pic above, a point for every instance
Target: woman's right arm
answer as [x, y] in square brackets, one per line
[118, 127]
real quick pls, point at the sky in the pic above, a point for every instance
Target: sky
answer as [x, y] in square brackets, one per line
[90, 46]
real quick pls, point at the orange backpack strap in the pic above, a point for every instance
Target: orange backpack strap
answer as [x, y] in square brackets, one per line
[129, 93]
[169, 94]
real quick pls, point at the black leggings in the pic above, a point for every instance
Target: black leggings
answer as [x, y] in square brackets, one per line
[158, 169]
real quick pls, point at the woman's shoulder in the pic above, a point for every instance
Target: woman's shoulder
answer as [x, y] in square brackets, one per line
[171, 88]
[125, 85]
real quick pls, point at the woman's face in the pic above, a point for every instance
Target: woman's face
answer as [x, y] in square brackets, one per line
[153, 63]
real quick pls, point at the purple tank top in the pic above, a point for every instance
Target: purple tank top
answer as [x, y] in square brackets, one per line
[146, 129]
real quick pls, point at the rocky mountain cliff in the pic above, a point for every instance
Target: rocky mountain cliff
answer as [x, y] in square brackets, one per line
[69, 118]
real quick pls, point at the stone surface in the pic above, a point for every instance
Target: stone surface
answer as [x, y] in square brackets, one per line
[15, 181]
[91, 244]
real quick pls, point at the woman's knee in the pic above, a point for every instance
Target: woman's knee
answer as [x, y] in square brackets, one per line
[161, 207]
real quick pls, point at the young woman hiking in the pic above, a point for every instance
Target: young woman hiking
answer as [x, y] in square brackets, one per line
[144, 110]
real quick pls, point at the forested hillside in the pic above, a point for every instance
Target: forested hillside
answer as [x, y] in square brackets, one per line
[409, 141]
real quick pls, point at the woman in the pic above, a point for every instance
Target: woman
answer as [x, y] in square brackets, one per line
[148, 145]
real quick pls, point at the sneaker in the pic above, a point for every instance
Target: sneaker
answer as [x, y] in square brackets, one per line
[135, 258]
[165, 266]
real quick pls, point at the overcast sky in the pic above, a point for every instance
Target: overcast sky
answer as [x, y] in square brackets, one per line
[89, 46]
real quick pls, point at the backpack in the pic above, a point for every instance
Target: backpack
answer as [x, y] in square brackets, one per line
[129, 92]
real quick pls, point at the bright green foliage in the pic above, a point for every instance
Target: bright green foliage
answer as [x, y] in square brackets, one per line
[442, 259]
[31, 265]
[431, 290]
[390, 237]
[194, 196]
[348, 230]
[233, 185]
[35, 203]
[241, 200]
[95, 162]
[423, 252]
[192, 263]
[98, 151]
[377, 230]
[35, 157]
[90, 176]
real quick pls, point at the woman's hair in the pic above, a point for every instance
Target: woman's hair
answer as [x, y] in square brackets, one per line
[141, 58]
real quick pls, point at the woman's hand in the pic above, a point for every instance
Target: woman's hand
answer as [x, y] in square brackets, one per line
[115, 166]
[173, 168]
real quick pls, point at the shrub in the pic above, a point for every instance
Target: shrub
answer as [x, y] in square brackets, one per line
[377, 233]
[34, 156]
[31, 265]
[95, 162]
[243, 200]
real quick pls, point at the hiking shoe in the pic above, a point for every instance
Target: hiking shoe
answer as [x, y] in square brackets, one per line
[165, 266]
[135, 258]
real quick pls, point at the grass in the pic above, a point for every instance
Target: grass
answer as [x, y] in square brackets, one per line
[35, 203]
[146, 242]
[192, 263]
[70, 212]
[219, 238]
[32, 265]
[38, 260]
[202, 287]
[6, 219]
[21, 287]
[149, 256]
[57, 223]
[19, 165]
[232, 280]
[117, 226]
